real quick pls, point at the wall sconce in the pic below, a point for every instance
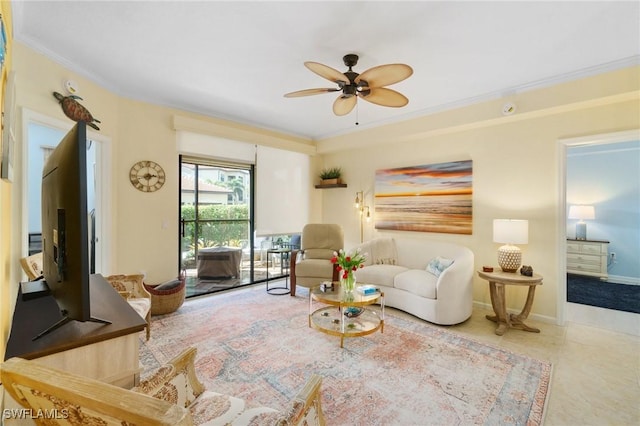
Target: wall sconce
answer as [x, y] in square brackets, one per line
[510, 232]
[581, 213]
[364, 211]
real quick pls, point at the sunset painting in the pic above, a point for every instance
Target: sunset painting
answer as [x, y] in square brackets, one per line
[429, 198]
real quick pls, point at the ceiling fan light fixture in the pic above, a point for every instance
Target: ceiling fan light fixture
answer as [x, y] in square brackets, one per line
[350, 90]
[350, 60]
[343, 105]
[385, 75]
[368, 85]
[329, 73]
[386, 97]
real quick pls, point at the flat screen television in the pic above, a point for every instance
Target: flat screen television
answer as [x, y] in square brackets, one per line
[65, 228]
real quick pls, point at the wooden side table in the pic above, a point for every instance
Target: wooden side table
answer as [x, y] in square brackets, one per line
[497, 282]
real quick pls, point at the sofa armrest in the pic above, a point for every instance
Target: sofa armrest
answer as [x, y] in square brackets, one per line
[456, 281]
[80, 400]
[306, 407]
[175, 382]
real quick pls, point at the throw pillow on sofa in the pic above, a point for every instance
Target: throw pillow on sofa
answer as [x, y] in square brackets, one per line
[438, 264]
[168, 285]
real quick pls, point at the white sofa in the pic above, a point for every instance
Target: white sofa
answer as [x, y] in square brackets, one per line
[398, 267]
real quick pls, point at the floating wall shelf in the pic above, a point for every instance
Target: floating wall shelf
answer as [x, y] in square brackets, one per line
[331, 185]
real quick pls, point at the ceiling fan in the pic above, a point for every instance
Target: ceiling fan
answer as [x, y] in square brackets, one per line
[369, 85]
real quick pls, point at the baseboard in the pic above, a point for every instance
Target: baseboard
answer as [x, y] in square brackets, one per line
[621, 279]
[608, 319]
[533, 316]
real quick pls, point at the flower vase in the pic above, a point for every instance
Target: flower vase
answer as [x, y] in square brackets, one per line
[348, 283]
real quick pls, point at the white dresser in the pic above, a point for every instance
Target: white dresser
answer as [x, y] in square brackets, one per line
[588, 257]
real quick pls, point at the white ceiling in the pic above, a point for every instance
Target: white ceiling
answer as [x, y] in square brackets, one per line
[236, 60]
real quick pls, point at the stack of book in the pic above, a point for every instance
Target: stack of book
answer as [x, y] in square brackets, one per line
[367, 289]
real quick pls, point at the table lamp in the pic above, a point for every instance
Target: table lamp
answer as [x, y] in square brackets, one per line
[581, 213]
[510, 232]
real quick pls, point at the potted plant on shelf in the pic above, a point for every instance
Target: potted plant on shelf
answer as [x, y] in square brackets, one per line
[331, 176]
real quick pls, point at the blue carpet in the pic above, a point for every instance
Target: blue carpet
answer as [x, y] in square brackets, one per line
[594, 292]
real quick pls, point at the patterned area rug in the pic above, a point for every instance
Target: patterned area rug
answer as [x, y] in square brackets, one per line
[260, 348]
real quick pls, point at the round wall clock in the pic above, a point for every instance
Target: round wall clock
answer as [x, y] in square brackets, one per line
[147, 176]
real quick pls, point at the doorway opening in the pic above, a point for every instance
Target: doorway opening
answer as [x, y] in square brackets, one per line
[599, 277]
[42, 134]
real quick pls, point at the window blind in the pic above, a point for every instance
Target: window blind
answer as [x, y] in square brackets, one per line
[199, 145]
[282, 191]
[282, 179]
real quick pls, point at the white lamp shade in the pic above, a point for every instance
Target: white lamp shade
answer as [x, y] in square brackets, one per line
[582, 212]
[510, 231]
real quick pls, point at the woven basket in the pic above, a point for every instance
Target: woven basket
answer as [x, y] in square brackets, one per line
[166, 301]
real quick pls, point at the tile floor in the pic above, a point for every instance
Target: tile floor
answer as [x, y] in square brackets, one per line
[596, 373]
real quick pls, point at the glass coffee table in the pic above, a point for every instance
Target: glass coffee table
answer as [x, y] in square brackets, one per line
[345, 318]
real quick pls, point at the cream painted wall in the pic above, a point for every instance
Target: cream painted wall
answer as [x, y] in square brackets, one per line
[147, 222]
[515, 169]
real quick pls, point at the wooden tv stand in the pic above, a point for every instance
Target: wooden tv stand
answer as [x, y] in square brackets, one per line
[107, 352]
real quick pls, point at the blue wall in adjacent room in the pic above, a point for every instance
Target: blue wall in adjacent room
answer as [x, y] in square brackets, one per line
[41, 136]
[607, 176]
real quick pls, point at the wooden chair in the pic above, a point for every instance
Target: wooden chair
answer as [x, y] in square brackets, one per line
[132, 288]
[172, 396]
[32, 266]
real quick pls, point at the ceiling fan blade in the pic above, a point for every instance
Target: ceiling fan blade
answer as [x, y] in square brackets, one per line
[309, 92]
[386, 97]
[344, 104]
[327, 72]
[384, 75]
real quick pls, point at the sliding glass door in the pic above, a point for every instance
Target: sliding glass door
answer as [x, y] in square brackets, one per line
[216, 225]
